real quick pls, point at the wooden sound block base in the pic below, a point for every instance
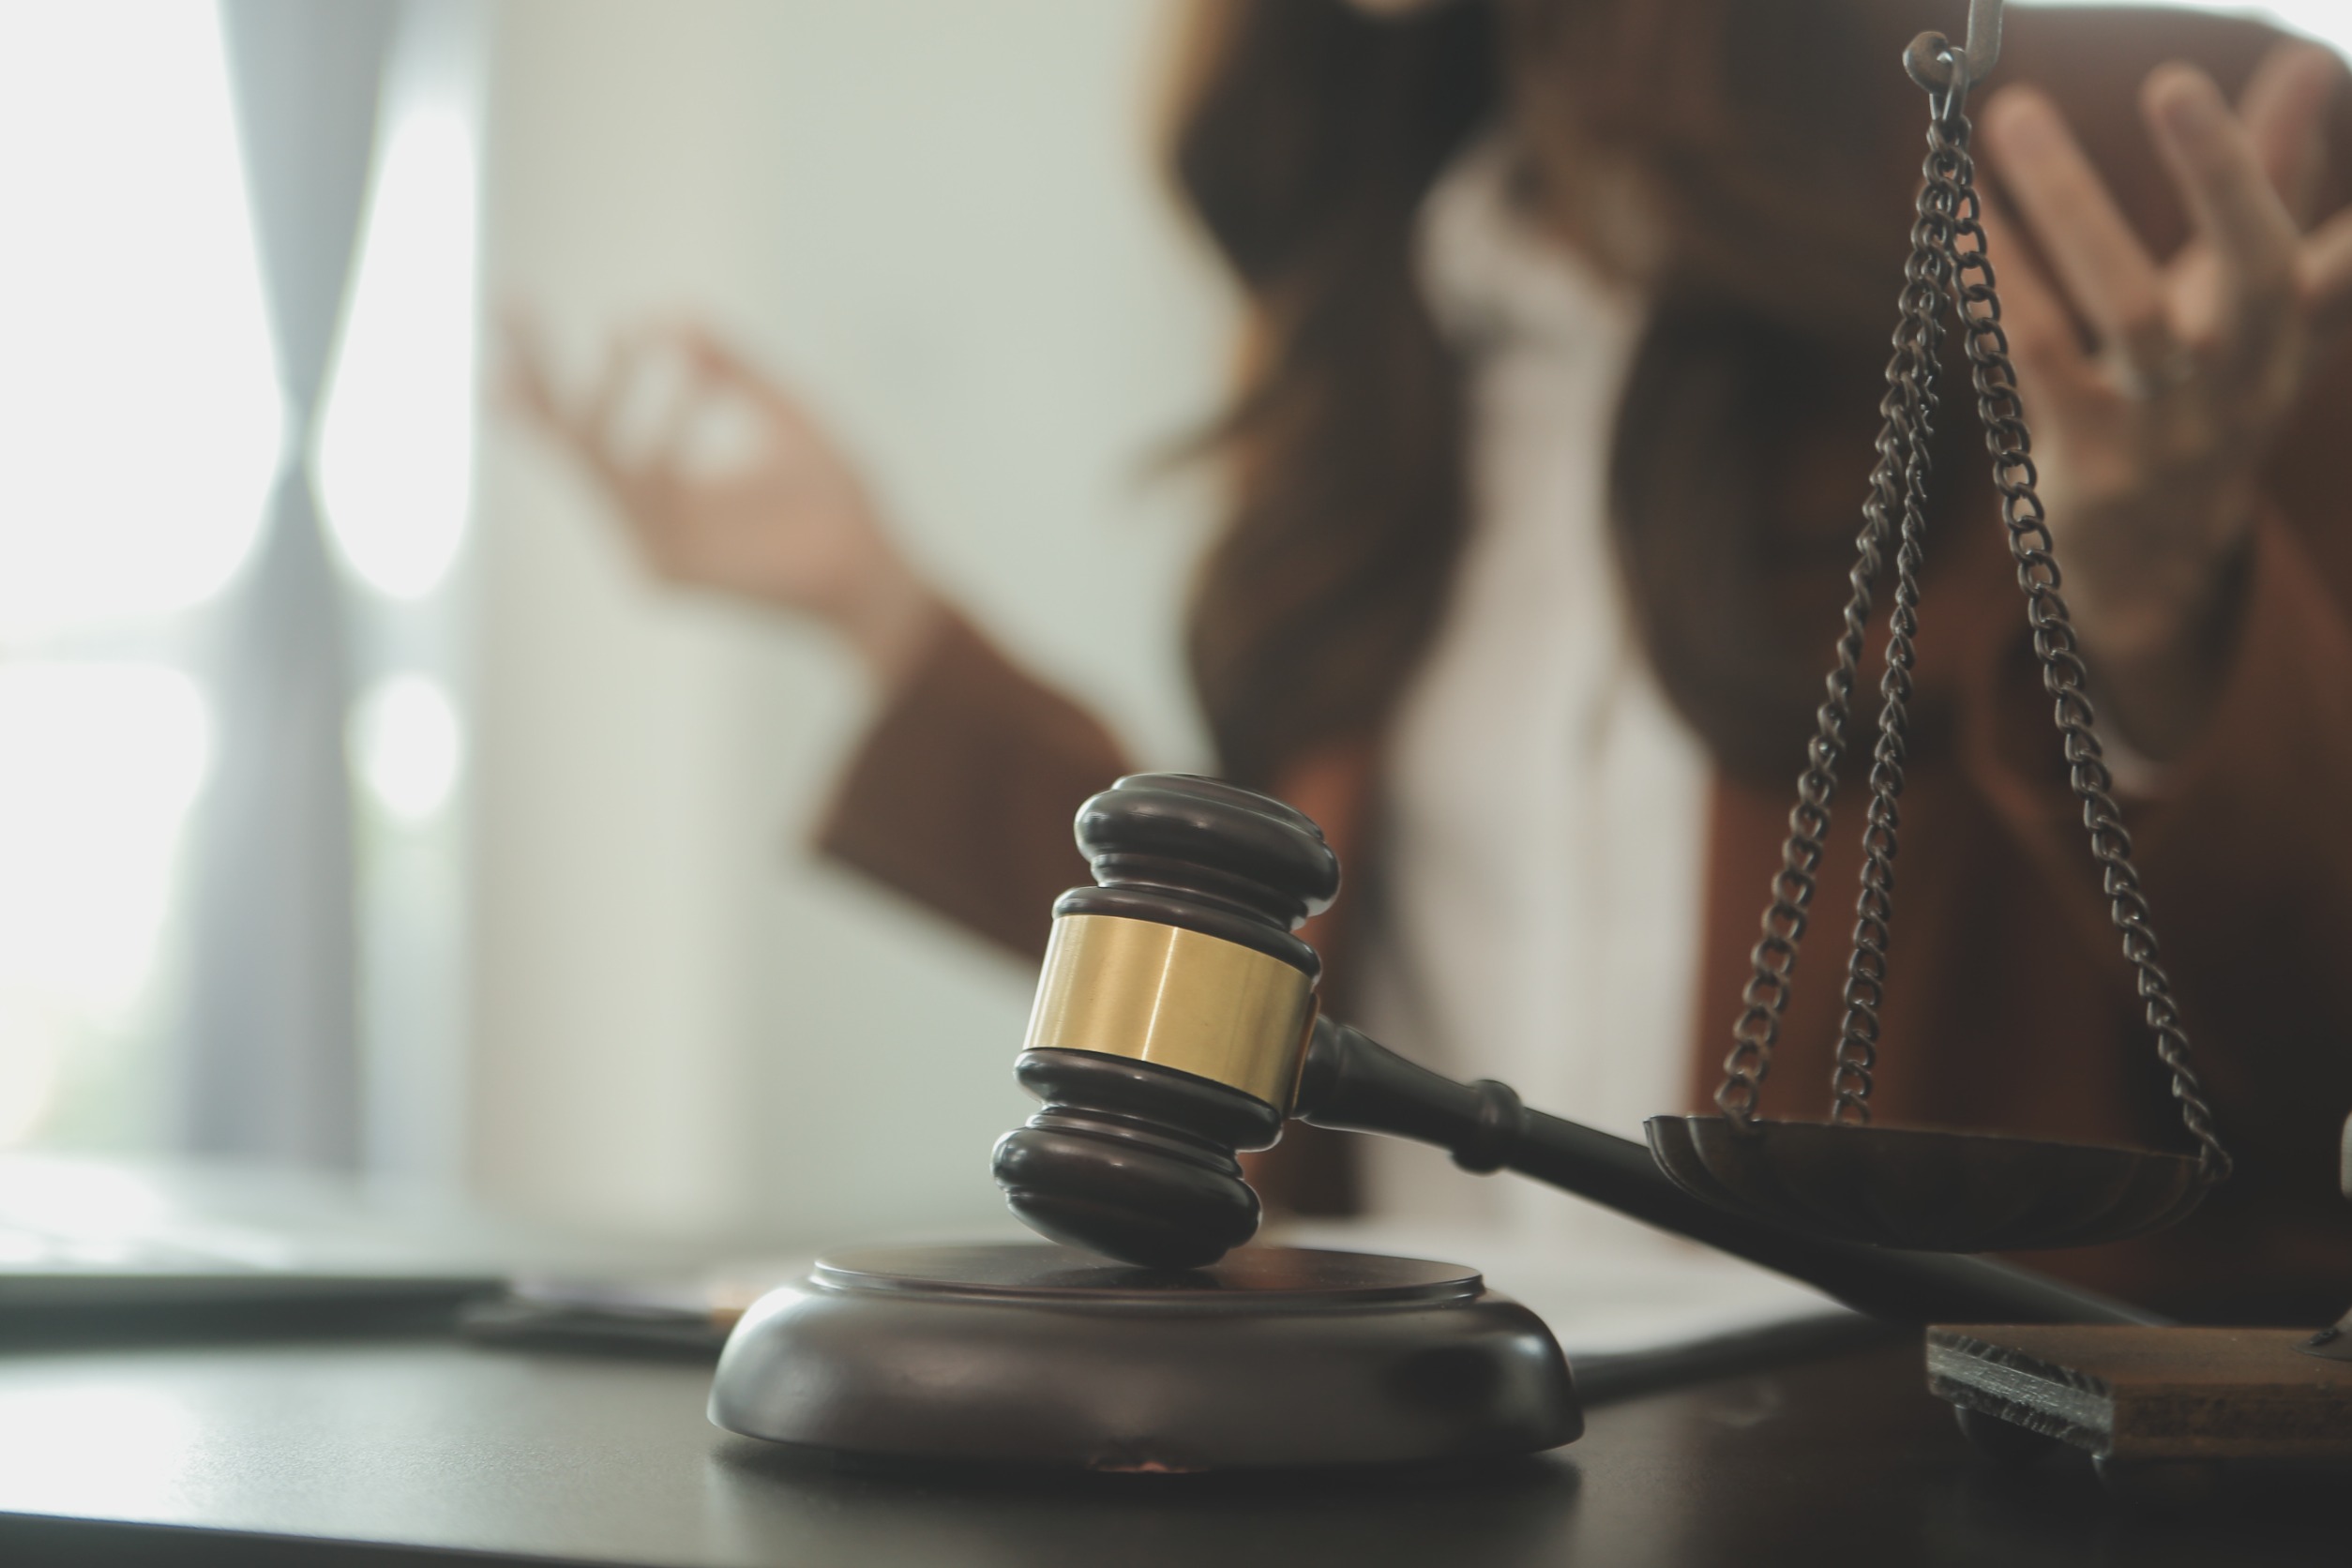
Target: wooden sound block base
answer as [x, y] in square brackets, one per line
[1045, 1355]
[2161, 1410]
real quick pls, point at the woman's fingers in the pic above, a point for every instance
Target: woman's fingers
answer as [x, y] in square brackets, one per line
[2237, 211]
[524, 369]
[596, 412]
[2326, 277]
[2042, 337]
[2284, 108]
[2098, 259]
[717, 360]
[715, 357]
[594, 424]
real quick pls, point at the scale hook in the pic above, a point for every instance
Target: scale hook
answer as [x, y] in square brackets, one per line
[1931, 57]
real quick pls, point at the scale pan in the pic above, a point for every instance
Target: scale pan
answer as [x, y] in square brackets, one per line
[1925, 1190]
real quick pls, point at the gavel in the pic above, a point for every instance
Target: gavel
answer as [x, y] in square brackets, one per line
[1176, 1026]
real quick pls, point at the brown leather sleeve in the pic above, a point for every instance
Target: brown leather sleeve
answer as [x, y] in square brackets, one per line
[2246, 834]
[2246, 857]
[962, 792]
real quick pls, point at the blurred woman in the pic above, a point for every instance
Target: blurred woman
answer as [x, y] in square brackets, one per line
[1565, 321]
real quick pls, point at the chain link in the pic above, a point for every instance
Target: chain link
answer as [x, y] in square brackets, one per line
[1908, 411]
[1773, 959]
[1948, 260]
[1896, 480]
[2062, 673]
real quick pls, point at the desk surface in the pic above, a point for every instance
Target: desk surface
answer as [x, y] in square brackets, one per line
[425, 1447]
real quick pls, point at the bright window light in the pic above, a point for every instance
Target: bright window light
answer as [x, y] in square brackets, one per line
[2328, 20]
[132, 1443]
[140, 420]
[396, 452]
[99, 766]
[408, 748]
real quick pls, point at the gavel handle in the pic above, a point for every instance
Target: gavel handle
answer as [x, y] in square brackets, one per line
[1351, 1081]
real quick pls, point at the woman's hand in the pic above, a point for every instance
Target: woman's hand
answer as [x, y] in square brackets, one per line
[2150, 439]
[786, 523]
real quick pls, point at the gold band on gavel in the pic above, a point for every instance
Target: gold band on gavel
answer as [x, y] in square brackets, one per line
[1162, 994]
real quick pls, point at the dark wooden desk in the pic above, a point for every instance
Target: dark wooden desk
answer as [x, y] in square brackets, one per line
[395, 1452]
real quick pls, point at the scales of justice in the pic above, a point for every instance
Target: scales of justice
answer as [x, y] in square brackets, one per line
[1176, 1025]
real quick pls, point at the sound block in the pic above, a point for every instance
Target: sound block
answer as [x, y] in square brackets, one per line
[1045, 1355]
[2161, 1411]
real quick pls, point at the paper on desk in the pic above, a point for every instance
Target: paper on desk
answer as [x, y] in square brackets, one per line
[1620, 1299]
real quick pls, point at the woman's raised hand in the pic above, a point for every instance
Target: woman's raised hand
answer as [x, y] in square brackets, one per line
[784, 522]
[2150, 437]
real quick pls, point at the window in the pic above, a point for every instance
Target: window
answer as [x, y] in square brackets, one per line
[142, 426]
[211, 937]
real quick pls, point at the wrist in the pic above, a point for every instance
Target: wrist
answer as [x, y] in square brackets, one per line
[2159, 667]
[2147, 576]
[891, 622]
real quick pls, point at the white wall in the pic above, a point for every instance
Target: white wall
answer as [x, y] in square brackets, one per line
[944, 220]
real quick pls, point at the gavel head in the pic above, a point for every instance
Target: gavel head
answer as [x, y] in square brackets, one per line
[1171, 1022]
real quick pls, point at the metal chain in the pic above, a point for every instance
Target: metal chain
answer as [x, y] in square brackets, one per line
[2062, 673]
[1895, 481]
[1948, 258]
[1773, 959]
[1909, 410]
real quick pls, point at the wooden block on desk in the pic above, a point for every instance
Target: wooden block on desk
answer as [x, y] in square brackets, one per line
[2152, 1393]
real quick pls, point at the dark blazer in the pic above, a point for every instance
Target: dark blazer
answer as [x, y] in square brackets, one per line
[2010, 1006]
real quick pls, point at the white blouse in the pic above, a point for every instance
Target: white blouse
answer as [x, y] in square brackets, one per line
[1538, 920]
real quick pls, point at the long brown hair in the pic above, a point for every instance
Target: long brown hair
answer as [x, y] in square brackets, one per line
[1771, 147]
